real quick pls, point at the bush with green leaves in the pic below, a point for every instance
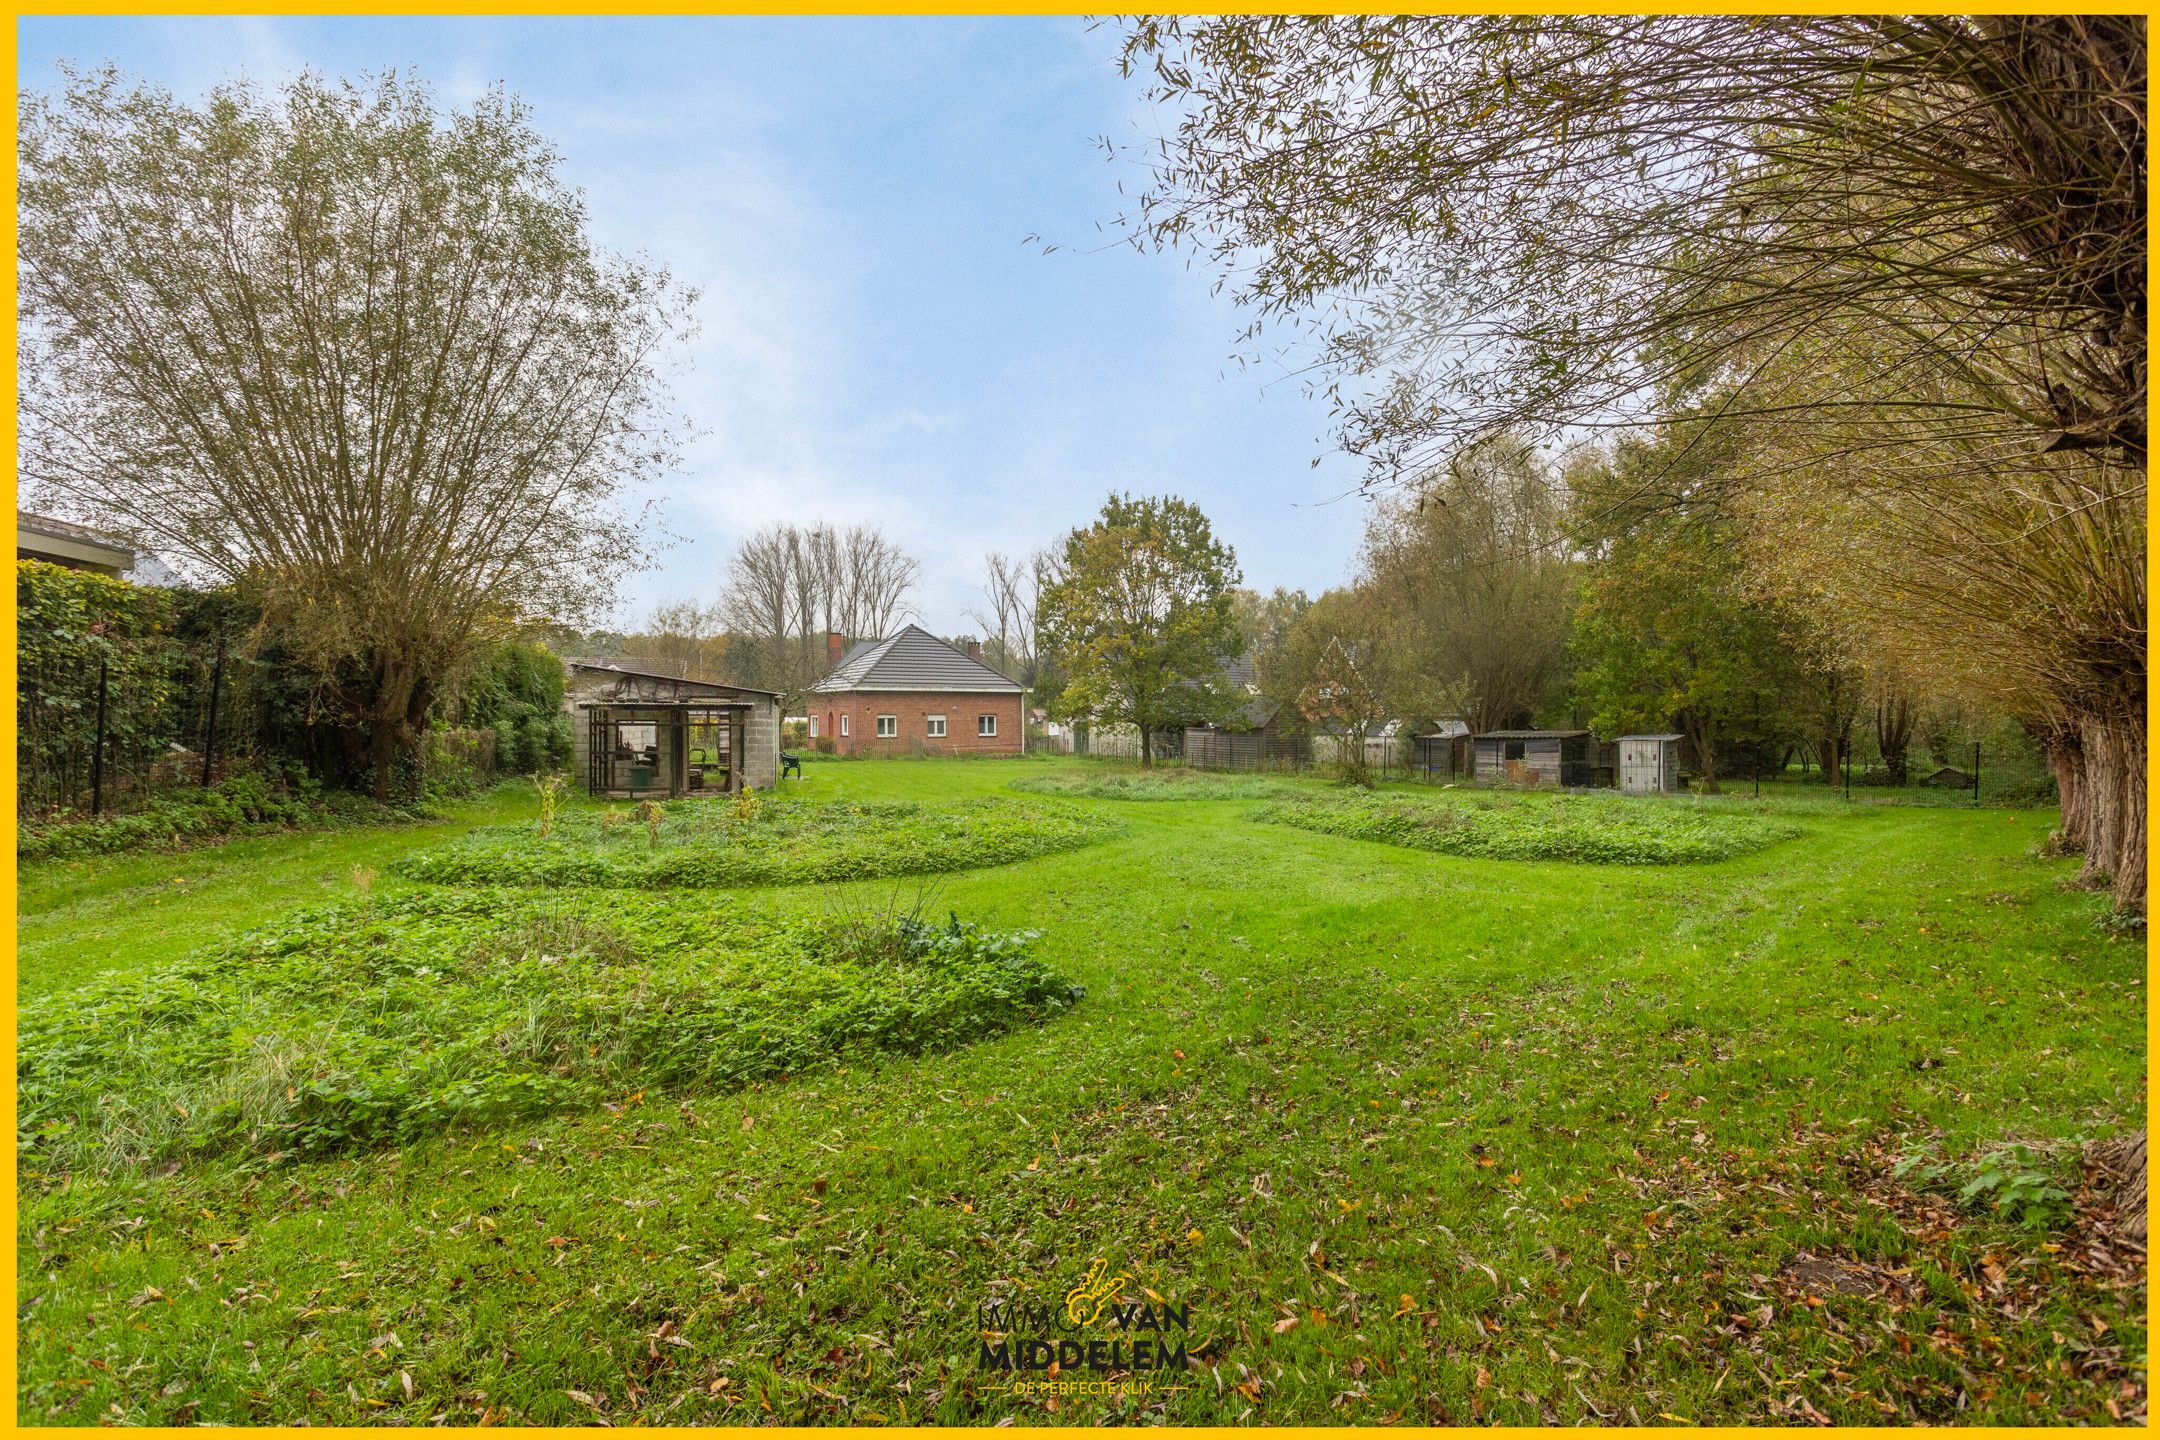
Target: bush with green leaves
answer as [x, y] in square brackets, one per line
[1587, 829]
[2010, 1182]
[516, 690]
[711, 842]
[391, 1020]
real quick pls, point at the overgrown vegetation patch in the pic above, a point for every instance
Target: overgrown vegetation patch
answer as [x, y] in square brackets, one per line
[244, 804]
[1165, 783]
[1594, 830]
[391, 1020]
[702, 843]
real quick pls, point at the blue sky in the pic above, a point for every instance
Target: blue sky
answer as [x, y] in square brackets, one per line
[877, 343]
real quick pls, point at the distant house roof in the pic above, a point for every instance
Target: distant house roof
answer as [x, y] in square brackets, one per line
[63, 542]
[1446, 730]
[1618, 738]
[913, 659]
[639, 669]
[1531, 734]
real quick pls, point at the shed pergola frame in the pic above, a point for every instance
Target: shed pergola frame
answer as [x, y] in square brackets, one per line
[690, 739]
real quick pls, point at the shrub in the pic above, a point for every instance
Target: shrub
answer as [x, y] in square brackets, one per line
[770, 841]
[2008, 1181]
[1596, 830]
[241, 804]
[386, 1021]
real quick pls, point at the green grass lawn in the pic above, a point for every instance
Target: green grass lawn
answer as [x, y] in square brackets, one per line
[1416, 1137]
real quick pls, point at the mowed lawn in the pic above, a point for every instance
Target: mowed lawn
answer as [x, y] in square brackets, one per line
[1417, 1138]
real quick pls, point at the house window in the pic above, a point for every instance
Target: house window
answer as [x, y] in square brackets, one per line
[888, 726]
[986, 724]
[1511, 749]
[813, 727]
[935, 727]
[843, 725]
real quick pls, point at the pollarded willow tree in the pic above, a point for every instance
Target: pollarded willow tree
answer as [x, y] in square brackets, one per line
[350, 352]
[1524, 224]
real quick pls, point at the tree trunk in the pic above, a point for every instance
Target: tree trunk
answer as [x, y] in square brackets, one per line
[389, 723]
[1893, 736]
[1830, 750]
[1147, 748]
[1705, 743]
[2113, 801]
[2066, 758]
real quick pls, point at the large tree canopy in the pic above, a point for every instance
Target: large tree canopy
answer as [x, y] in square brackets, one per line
[1527, 221]
[347, 350]
[1141, 619]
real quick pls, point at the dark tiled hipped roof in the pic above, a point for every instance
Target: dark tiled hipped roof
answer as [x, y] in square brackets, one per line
[914, 659]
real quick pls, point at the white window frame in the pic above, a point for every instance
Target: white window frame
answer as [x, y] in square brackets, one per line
[986, 727]
[888, 727]
[843, 727]
[934, 726]
[813, 727]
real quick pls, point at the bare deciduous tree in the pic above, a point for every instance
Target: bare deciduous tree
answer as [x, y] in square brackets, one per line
[1014, 590]
[788, 586]
[350, 352]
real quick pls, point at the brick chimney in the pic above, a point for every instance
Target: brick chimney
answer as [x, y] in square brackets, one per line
[974, 649]
[835, 646]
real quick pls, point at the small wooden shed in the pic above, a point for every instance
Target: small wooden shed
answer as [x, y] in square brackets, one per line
[1649, 764]
[1573, 758]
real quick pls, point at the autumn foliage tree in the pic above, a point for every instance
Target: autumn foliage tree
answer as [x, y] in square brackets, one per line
[1140, 619]
[350, 352]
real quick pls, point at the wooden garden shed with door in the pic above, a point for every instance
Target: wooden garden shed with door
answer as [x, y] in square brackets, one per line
[1575, 759]
[638, 733]
[1649, 764]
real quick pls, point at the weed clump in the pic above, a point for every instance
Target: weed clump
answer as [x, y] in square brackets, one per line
[756, 840]
[389, 1021]
[1591, 830]
[1167, 783]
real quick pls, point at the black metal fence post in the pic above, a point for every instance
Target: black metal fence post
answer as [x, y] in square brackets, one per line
[1847, 757]
[97, 749]
[1976, 773]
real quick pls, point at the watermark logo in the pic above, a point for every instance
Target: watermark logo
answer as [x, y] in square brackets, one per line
[1096, 1342]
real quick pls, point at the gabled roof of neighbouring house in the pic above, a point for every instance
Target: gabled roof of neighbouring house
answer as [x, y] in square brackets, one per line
[913, 659]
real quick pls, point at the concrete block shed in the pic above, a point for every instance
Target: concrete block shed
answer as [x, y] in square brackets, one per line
[639, 733]
[1649, 764]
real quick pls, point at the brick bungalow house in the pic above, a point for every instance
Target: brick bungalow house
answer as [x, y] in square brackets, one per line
[914, 694]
